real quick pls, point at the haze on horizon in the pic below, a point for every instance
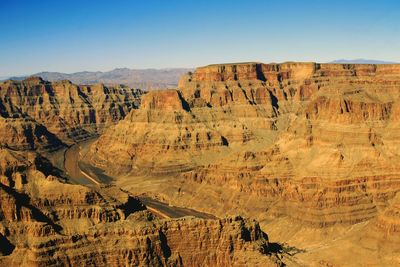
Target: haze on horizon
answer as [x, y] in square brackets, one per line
[71, 36]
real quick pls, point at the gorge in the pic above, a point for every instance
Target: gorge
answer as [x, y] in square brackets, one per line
[291, 164]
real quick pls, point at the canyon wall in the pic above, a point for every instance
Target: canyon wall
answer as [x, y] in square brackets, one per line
[317, 143]
[36, 114]
[45, 221]
[307, 149]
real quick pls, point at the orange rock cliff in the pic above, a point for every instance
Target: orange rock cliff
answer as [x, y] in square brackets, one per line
[314, 145]
[306, 152]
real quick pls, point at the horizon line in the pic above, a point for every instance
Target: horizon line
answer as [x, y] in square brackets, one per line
[337, 61]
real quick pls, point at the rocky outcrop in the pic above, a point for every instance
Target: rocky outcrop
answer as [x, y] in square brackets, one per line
[45, 221]
[36, 114]
[309, 150]
[389, 220]
[157, 243]
[27, 134]
[293, 71]
[314, 142]
[163, 125]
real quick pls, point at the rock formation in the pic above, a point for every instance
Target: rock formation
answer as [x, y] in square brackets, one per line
[36, 114]
[45, 221]
[316, 144]
[309, 150]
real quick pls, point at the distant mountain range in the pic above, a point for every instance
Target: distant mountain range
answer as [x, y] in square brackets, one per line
[361, 61]
[148, 79]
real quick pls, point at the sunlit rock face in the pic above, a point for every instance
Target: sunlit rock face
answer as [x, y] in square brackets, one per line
[307, 149]
[46, 221]
[36, 114]
[320, 141]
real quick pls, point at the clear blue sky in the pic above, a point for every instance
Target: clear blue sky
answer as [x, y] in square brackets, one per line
[69, 36]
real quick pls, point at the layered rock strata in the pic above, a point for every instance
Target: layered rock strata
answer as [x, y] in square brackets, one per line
[47, 222]
[36, 114]
[314, 142]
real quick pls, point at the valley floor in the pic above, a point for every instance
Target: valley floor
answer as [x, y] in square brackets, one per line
[71, 160]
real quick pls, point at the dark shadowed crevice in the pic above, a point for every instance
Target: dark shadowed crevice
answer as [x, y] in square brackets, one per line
[6, 248]
[28, 132]
[40, 130]
[185, 104]
[224, 141]
[3, 110]
[84, 97]
[260, 74]
[274, 100]
[284, 249]
[46, 167]
[132, 205]
[164, 245]
[23, 200]
[92, 116]
[245, 234]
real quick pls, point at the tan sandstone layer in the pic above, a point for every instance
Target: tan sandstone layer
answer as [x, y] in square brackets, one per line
[47, 222]
[306, 144]
[36, 114]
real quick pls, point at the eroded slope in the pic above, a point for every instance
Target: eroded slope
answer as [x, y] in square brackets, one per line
[312, 144]
[47, 222]
[36, 114]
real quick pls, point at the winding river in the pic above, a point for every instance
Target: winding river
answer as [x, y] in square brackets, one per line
[88, 175]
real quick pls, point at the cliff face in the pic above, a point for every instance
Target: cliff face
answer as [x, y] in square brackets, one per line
[313, 142]
[45, 221]
[278, 73]
[163, 125]
[36, 114]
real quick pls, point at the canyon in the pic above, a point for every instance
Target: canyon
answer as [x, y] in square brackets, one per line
[36, 114]
[50, 218]
[302, 146]
[291, 164]
[48, 222]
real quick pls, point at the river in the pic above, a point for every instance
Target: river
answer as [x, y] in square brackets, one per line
[88, 175]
